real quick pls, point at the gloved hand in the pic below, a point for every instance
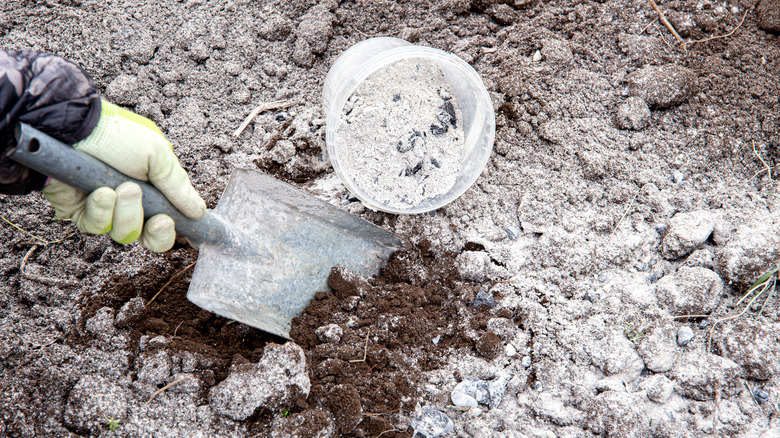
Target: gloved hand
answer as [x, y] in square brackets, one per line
[135, 146]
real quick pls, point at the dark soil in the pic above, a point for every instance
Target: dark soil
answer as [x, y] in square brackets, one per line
[395, 327]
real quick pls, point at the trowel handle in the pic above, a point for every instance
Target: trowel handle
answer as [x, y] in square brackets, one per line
[51, 157]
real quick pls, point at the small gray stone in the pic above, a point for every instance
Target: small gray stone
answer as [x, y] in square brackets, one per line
[432, 423]
[463, 400]
[768, 14]
[276, 381]
[761, 396]
[677, 177]
[130, 312]
[684, 336]
[633, 114]
[484, 297]
[664, 86]
[512, 232]
[687, 231]
[525, 361]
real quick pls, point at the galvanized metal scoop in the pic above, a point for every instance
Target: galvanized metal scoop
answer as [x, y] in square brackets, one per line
[265, 250]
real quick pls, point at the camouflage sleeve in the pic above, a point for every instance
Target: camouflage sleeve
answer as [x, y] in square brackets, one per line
[48, 93]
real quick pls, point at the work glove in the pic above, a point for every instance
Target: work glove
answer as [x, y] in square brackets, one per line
[135, 146]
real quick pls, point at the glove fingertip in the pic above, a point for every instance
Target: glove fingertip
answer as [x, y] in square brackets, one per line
[159, 233]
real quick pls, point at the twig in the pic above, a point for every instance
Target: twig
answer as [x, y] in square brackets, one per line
[388, 431]
[662, 37]
[41, 279]
[723, 36]
[156, 393]
[365, 349]
[278, 104]
[648, 25]
[768, 168]
[176, 275]
[666, 22]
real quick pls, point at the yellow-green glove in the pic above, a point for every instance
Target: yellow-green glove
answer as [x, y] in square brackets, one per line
[135, 146]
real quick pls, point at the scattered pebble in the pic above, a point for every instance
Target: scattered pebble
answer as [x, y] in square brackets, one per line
[436, 339]
[677, 177]
[653, 277]
[602, 277]
[661, 228]
[634, 114]
[664, 86]
[512, 232]
[525, 361]
[485, 296]
[761, 395]
[432, 423]
[473, 392]
[684, 336]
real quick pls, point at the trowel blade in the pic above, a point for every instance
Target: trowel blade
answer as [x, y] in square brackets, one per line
[306, 238]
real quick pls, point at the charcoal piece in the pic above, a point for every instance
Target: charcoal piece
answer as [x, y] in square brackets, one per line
[409, 141]
[439, 129]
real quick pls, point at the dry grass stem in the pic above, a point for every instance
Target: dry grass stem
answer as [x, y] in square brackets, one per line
[51, 281]
[166, 387]
[724, 35]
[43, 241]
[648, 25]
[665, 22]
[662, 37]
[175, 276]
[767, 167]
[277, 104]
[388, 431]
[625, 213]
[365, 349]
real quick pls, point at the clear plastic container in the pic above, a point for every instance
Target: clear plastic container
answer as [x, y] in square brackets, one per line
[361, 60]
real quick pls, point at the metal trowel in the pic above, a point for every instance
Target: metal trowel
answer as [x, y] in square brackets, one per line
[264, 251]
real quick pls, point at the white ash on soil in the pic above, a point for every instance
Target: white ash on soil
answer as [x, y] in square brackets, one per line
[571, 227]
[402, 133]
